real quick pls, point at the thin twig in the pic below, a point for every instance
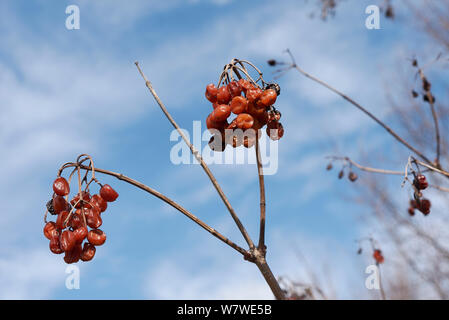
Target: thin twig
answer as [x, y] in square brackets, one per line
[171, 203]
[360, 107]
[261, 244]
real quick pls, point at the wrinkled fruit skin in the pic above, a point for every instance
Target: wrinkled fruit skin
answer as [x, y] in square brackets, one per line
[98, 201]
[50, 230]
[67, 240]
[55, 246]
[88, 252]
[73, 255]
[108, 194]
[96, 237]
[61, 186]
[80, 234]
[424, 206]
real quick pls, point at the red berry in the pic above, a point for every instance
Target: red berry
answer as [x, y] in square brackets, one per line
[377, 255]
[421, 182]
[108, 194]
[244, 121]
[245, 85]
[253, 94]
[88, 252]
[76, 200]
[76, 219]
[93, 218]
[67, 240]
[61, 220]
[275, 130]
[223, 95]
[221, 113]
[267, 98]
[411, 211]
[257, 113]
[239, 104]
[99, 202]
[96, 237]
[59, 204]
[424, 206]
[50, 231]
[234, 88]
[54, 246]
[80, 234]
[211, 92]
[73, 255]
[61, 186]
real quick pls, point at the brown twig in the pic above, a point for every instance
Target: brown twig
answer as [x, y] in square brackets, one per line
[261, 244]
[199, 159]
[170, 202]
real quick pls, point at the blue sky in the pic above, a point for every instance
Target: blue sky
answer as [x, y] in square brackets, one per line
[63, 93]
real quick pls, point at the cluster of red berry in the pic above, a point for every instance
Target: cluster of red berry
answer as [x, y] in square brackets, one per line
[253, 107]
[70, 229]
[420, 183]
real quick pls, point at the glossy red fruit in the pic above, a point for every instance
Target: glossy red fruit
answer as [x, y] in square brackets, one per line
[234, 88]
[54, 246]
[96, 237]
[61, 186]
[253, 94]
[50, 231]
[211, 92]
[421, 182]
[267, 98]
[67, 240]
[215, 105]
[239, 104]
[93, 218]
[223, 95]
[59, 204]
[108, 194]
[61, 219]
[88, 252]
[76, 220]
[73, 255]
[99, 202]
[245, 85]
[377, 255]
[244, 121]
[80, 234]
[221, 113]
[275, 130]
[257, 113]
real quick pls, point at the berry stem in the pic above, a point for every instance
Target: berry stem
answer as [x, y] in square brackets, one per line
[199, 159]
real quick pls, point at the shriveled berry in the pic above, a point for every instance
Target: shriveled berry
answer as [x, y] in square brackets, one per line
[352, 176]
[239, 104]
[76, 219]
[50, 230]
[275, 87]
[424, 206]
[244, 121]
[329, 167]
[253, 94]
[421, 182]
[341, 174]
[88, 252]
[55, 246]
[221, 113]
[59, 204]
[96, 237]
[211, 92]
[275, 130]
[80, 234]
[67, 240]
[93, 218]
[234, 88]
[411, 211]
[267, 98]
[108, 194]
[223, 95]
[413, 204]
[61, 220]
[377, 255]
[76, 201]
[245, 84]
[73, 255]
[99, 202]
[50, 208]
[61, 186]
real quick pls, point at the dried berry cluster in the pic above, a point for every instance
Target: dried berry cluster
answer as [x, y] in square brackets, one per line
[73, 218]
[378, 257]
[426, 86]
[420, 183]
[352, 176]
[253, 107]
